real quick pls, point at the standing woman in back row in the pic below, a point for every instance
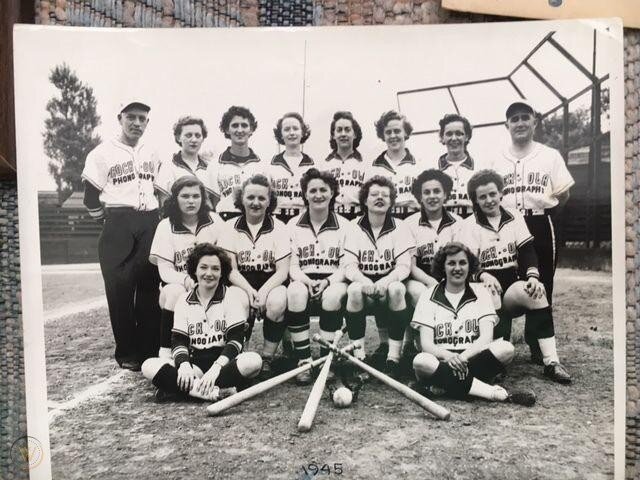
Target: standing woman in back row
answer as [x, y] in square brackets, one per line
[287, 167]
[455, 134]
[396, 162]
[237, 163]
[345, 162]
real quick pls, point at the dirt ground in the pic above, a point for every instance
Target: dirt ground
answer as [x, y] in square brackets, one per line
[125, 434]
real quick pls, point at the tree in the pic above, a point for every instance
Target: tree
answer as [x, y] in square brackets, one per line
[69, 130]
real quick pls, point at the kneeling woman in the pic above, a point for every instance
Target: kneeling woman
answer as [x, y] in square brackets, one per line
[207, 333]
[501, 240]
[456, 319]
[258, 245]
[188, 222]
[317, 236]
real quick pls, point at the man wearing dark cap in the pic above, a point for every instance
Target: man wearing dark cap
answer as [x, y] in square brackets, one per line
[537, 183]
[118, 177]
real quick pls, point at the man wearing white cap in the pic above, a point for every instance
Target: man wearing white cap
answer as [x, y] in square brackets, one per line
[537, 183]
[118, 176]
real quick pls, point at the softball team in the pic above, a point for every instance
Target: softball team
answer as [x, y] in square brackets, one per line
[341, 238]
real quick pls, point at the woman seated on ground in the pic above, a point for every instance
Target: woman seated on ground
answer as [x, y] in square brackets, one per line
[509, 268]
[208, 331]
[188, 221]
[455, 319]
[317, 236]
[258, 245]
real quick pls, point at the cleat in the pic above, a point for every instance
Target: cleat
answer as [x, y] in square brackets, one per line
[267, 368]
[522, 397]
[392, 368]
[379, 357]
[556, 372]
[306, 377]
[132, 365]
[421, 388]
[160, 396]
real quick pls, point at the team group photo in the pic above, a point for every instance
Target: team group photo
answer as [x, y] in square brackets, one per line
[348, 254]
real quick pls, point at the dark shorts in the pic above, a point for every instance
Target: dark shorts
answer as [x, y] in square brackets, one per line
[203, 359]
[506, 277]
[286, 214]
[347, 212]
[257, 279]
[226, 216]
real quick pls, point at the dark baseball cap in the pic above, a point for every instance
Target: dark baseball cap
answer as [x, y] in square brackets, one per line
[128, 105]
[519, 106]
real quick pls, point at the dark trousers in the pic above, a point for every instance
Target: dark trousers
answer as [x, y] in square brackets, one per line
[545, 245]
[131, 282]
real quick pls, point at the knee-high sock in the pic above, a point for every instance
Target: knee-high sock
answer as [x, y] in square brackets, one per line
[272, 332]
[539, 324]
[445, 378]
[298, 323]
[166, 379]
[166, 324]
[329, 323]
[503, 328]
[398, 322]
[356, 327]
[382, 323]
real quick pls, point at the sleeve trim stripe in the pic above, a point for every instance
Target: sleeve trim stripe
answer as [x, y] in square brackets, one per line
[156, 255]
[92, 182]
[283, 257]
[403, 252]
[526, 240]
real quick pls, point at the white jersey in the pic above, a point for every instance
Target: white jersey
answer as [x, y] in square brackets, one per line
[350, 174]
[172, 170]
[460, 173]
[402, 177]
[205, 325]
[124, 175]
[454, 328]
[496, 248]
[174, 243]
[227, 174]
[377, 257]
[285, 179]
[259, 254]
[533, 183]
[428, 238]
[321, 252]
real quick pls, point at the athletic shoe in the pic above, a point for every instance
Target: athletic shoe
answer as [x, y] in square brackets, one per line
[522, 397]
[132, 365]
[305, 377]
[267, 368]
[556, 372]
[379, 357]
[421, 388]
[160, 396]
[392, 368]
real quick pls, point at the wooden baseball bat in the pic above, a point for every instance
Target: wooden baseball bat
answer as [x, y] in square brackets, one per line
[311, 407]
[432, 407]
[219, 407]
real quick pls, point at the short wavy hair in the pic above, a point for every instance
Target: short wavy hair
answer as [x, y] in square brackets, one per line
[256, 179]
[454, 117]
[452, 248]
[343, 115]
[188, 120]
[277, 131]
[326, 177]
[240, 112]
[427, 175]
[376, 180]
[206, 249]
[386, 117]
[171, 208]
[483, 177]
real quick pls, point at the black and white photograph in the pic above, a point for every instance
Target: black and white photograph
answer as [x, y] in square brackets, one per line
[296, 252]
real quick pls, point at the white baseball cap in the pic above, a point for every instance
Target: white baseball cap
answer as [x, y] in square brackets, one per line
[519, 106]
[126, 105]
